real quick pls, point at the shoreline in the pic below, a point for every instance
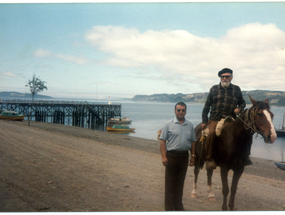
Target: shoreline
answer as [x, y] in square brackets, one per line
[49, 167]
[261, 167]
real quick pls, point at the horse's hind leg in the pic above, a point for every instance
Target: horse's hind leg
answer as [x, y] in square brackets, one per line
[211, 195]
[196, 173]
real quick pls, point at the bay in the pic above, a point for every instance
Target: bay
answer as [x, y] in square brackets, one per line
[148, 117]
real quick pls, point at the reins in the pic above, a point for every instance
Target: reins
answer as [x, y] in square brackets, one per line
[249, 123]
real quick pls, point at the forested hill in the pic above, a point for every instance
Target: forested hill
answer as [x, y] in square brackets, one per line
[17, 95]
[276, 98]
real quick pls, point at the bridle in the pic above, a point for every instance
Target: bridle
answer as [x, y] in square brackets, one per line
[249, 123]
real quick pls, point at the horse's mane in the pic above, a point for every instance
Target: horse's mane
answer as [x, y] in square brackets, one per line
[262, 105]
[259, 105]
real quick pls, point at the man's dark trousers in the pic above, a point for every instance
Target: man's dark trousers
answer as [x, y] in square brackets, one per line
[175, 173]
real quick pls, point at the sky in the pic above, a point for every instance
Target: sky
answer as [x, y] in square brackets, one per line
[97, 50]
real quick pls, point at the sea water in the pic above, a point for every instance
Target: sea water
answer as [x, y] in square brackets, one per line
[148, 117]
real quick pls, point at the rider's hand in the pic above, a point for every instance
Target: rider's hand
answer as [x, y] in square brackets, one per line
[236, 111]
[204, 126]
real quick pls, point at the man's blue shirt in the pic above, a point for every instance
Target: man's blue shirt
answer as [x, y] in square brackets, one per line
[178, 136]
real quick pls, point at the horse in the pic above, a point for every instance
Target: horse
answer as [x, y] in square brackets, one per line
[232, 148]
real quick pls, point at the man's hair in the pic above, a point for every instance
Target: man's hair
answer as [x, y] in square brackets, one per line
[181, 104]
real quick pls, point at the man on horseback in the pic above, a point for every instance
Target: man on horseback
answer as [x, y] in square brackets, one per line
[224, 99]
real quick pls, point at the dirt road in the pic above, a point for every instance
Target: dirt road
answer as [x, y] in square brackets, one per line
[55, 168]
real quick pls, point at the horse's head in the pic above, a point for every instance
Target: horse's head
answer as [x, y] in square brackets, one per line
[264, 120]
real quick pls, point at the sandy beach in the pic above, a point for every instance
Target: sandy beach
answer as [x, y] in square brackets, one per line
[49, 167]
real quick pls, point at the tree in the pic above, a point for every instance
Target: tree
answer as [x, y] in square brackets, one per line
[36, 86]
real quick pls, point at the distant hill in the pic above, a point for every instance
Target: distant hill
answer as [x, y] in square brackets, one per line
[276, 98]
[16, 95]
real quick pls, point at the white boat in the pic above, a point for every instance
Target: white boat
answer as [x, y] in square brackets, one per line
[124, 120]
[281, 132]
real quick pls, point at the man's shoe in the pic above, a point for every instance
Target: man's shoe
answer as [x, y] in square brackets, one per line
[210, 164]
[248, 162]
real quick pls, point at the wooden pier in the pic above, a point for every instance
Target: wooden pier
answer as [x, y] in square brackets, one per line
[82, 114]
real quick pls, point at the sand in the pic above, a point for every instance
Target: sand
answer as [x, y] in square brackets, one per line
[49, 167]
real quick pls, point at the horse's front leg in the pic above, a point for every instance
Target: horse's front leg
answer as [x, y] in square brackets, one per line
[211, 195]
[236, 177]
[194, 191]
[225, 190]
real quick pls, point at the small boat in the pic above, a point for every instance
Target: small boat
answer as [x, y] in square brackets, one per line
[281, 132]
[120, 128]
[280, 165]
[159, 133]
[11, 115]
[124, 120]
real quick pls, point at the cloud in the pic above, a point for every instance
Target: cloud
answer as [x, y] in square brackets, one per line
[74, 59]
[9, 74]
[42, 53]
[254, 52]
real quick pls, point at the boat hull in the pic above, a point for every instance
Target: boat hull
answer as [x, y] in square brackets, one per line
[14, 118]
[280, 165]
[120, 129]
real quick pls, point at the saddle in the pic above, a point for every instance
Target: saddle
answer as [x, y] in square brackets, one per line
[221, 124]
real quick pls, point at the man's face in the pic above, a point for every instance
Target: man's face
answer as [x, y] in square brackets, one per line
[226, 79]
[180, 112]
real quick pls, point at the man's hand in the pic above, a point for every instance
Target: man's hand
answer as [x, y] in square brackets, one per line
[164, 161]
[236, 111]
[163, 152]
[204, 126]
[192, 161]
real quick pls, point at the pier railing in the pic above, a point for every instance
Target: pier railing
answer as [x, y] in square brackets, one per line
[82, 114]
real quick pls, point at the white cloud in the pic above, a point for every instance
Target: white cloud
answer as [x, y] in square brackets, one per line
[9, 74]
[254, 51]
[42, 53]
[74, 59]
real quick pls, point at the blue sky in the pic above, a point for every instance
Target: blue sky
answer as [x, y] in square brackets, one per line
[124, 49]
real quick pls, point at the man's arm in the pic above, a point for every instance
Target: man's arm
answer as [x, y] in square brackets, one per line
[163, 152]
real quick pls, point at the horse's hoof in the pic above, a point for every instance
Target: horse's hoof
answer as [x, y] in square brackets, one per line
[212, 199]
[194, 196]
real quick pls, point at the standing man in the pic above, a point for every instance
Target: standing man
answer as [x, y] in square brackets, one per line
[176, 139]
[224, 99]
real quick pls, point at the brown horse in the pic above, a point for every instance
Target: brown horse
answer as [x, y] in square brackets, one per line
[232, 147]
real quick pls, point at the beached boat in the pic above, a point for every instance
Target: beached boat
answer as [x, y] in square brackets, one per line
[124, 120]
[281, 132]
[120, 128]
[11, 115]
[280, 165]
[159, 133]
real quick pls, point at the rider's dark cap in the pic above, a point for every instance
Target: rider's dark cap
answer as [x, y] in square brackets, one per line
[225, 70]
